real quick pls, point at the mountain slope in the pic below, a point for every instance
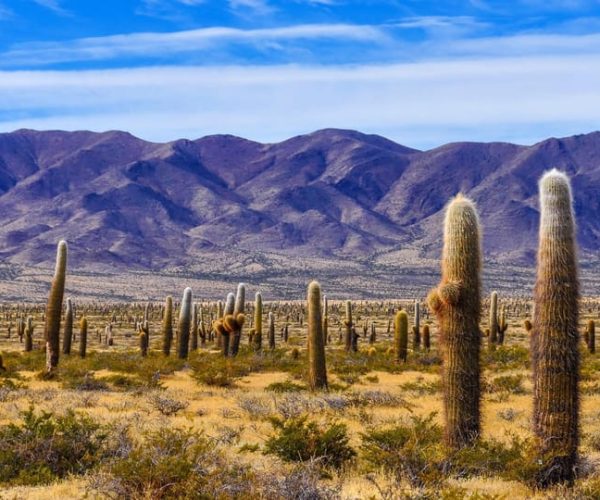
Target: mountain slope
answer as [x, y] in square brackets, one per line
[123, 203]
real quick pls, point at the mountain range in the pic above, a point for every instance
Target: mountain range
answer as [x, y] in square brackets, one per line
[332, 196]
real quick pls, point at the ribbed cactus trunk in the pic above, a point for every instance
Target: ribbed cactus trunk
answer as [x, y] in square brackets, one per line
[401, 336]
[185, 324]
[493, 321]
[54, 308]
[554, 338]
[68, 329]
[348, 324]
[258, 313]
[83, 327]
[236, 334]
[271, 331]
[167, 326]
[317, 370]
[456, 303]
[29, 335]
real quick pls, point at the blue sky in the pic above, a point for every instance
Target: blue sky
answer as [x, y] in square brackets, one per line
[420, 72]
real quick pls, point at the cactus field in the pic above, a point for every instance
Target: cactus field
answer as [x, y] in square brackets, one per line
[445, 394]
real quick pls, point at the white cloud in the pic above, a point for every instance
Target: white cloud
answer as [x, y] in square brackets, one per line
[420, 104]
[53, 5]
[260, 7]
[161, 44]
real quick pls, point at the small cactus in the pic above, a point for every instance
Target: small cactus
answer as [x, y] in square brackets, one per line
[185, 324]
[591, 336]
[258, 312]
[167, 326]
[348, 324]
[401, 336]
[29, 335]
[493, 321]
[426, 338]
[68, 329]
[236, 334]
[54, 308]
[83, 326]
[271, 331]
[317, 371]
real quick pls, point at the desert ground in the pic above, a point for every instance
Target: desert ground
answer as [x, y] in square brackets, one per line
[215, 427]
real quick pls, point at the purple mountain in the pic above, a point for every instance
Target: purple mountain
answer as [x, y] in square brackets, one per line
[122, 202]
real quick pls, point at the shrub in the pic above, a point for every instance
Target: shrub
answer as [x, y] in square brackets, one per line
[411, 451]
[286, 386]
[167, 406]
[44, 447]
[300, 440]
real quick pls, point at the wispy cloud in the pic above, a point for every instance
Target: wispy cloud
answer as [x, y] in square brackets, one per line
[53, 5]
[162, 44]
[258, 7]
[421, 104]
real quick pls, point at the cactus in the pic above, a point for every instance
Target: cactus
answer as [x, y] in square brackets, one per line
[348, 325]
[591, 336]
[144, 340]
[236, 334]
[271, 331]
[554, 339]
[493, 321]
[502, 327]
[68, 329]
[426, 338]
[167, 327]
[222, 331]
[258, 312]
[401, 336]
[194, 329]
[185, 323]
[317, 371]
[29, 335]
[54, 308]
[456, 303]
[325, 320]
[82, 337]
[417, 327]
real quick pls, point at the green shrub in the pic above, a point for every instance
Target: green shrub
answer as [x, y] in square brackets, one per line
[44, 447]
[300, 440]
[506, 358]
[286, 386]
[411, 451]
[174, 464]
[511, 384]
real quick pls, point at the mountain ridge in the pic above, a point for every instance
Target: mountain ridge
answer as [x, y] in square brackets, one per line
[126, 203]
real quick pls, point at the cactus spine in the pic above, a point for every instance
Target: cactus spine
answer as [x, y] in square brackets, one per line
[554, 339]
[258, 312]
[317, 371]
[68, 330]
[167, 326]
[185, 323]
[401, 336]
[54, 308]
[82, 337]
[456, 303]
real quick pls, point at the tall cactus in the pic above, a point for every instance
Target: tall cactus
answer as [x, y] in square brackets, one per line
[493, 321]
[417, 327]
[401, 336]
[83, 337]
[258, 313]
[325, 320]
[68, 329]
[54, 308]
[185, 324]
[317, 370]
[271, 331]
[426, 338]
[554, 339]
[167, 327]
[591, 336]
[194, 329]
[238, 312]
[29, 335]
[456, 303]
[348, 324]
